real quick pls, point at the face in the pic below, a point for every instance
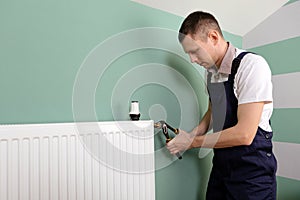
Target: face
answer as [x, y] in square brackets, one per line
[200, 52]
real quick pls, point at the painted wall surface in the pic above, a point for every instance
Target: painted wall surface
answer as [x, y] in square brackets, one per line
[64, 61]
[278, 39]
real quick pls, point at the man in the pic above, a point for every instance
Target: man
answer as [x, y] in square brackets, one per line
[240, 107]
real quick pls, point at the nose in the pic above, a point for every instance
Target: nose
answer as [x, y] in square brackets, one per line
[193, 58]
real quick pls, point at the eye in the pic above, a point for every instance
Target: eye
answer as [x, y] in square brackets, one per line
[196, 50]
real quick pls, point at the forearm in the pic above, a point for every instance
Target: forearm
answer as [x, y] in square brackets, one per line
[242, 133]
[227, 138]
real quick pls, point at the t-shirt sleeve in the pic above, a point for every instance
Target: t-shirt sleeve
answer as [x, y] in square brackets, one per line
[253, 80]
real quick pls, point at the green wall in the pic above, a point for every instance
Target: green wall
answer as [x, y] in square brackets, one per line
[44, 47]
[283, 58]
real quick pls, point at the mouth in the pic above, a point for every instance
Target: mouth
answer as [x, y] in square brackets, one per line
[206, 65]
[203, 64]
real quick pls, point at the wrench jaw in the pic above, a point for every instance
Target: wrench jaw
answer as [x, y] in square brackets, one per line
[165, 132]
[161, 123]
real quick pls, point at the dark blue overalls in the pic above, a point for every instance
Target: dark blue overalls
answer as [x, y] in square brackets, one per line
[241, 172]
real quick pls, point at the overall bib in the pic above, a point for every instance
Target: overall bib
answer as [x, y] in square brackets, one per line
[241, 172]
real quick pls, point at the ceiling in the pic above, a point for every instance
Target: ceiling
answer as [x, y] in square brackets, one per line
[235, 16]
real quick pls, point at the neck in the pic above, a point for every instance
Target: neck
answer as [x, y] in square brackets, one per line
[223, 49]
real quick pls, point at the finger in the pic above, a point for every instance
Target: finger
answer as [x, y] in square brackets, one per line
[169, 147]
[173, 149]
[171, 141]
[174, 152]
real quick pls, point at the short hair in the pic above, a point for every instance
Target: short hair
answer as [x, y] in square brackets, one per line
[198, 22]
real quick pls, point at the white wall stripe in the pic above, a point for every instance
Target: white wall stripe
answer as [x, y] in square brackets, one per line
[283, 24]
[287, 155]
[240, 21]
[285, 91]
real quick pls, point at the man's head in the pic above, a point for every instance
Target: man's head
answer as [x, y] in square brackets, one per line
[202, 38]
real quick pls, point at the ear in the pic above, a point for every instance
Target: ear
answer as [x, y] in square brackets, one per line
[214, 36]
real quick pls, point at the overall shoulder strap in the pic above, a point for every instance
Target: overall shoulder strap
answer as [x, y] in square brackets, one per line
[236, 63]
[208, 80]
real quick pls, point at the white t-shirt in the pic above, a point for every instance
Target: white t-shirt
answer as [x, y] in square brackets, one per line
[252, 83]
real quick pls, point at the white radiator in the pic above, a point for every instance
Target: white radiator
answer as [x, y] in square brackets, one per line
[77, 161]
